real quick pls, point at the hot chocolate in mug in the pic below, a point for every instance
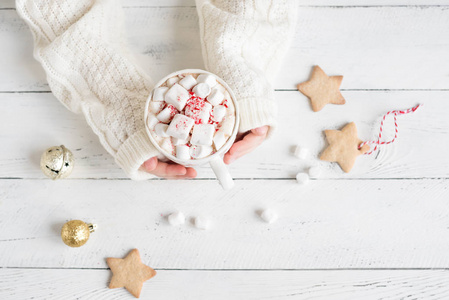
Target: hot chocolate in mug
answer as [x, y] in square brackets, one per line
[215, 160]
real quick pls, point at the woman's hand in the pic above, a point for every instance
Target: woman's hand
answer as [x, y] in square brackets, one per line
[168, 170]
[246, 143]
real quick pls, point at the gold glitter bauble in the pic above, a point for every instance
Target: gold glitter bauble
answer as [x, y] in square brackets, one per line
[57, 162]
[75, 233]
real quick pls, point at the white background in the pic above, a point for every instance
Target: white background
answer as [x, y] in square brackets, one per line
[381, 231]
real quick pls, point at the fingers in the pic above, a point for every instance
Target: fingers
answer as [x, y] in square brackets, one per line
[169, 171]
[150, 164]
[261, 131]
[251, 141]
[243, 147]
[191, 173]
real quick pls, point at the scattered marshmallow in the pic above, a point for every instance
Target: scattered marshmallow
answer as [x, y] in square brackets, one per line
[218, 113]
[172, 81]
[156, 107]
[219, 140]
[302, 178]
[301, 152]
[180, 127]
[188, 82]
[202, 223]
[177, 96]
[269, 216]
[177, 142]
[167, 146]
[315, 172]
[161, 130]
[183, 152]
[216, 97]
[167, 114]
[176, 218]
[203, 134]
[198, 151]
[201, 90]
[152, 121]
[207, 78]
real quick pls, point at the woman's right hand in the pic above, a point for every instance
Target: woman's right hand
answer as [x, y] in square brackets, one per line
[168, 170]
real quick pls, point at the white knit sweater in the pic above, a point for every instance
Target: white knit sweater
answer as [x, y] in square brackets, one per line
[82, 49]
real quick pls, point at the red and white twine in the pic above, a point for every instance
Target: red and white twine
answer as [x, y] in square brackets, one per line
[395, 113]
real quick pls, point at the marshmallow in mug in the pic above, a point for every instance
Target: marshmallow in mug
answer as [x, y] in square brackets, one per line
[203, 134]
[167, 114]
[183, 152]
[180, 127]
[159, 93]
[200, 151]
[191, 116]
[202, 90]
[172, 81]
[156, 107]
[161, 130]
[188, 82]
[209, 79]
[215, 97]
[177, 96]
[199, 110]
[218, 113]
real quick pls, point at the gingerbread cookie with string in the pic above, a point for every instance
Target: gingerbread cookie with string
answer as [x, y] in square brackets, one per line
[343, 147]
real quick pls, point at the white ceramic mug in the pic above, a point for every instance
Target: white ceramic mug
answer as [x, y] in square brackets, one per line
[215, 160]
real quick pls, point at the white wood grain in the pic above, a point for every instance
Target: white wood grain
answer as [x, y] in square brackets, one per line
[370, 2]
[169, 3]
[341, 221]
[413, 155]
[92, 284]
[400, 47]
[327, 224]
[135, 3]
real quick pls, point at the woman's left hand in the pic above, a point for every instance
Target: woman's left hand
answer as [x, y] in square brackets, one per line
[246, 143]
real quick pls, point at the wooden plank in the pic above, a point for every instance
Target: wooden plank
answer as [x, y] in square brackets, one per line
[400, 47]
[10, 4]
[375, 47]
[327, 224]
[88, 284]
[170, 3]
[370, 2]
[413, 155]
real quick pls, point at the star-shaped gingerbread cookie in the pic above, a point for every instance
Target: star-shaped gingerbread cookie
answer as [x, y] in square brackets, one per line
[129, 272]
[343, 147]
[322, 89]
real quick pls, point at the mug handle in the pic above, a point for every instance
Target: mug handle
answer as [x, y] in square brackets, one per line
[222, 173]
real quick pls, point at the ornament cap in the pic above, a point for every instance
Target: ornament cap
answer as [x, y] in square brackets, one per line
[92, 227]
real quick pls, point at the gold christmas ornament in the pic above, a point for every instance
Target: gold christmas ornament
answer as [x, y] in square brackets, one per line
[57, 162]
[75, 233]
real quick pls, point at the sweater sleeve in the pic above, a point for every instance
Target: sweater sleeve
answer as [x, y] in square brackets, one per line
[243, 42]
[81, 47]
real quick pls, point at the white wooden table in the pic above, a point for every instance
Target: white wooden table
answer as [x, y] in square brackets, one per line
[381, 231]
